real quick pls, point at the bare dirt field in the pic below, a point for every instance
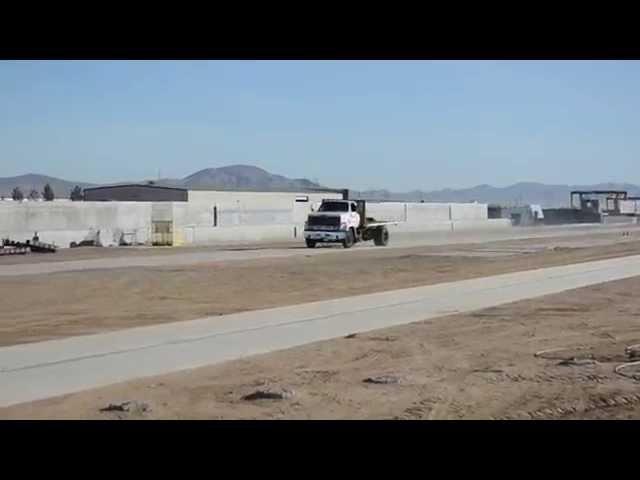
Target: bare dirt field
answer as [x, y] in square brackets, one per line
[43, 307]
[467, 366]
[588, 234]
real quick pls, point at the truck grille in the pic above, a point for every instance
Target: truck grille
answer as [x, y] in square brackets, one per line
[330, 223]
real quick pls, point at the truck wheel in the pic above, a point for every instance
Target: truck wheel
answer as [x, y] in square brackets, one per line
[348, 240]
[381, 237]
[356, 237]
[310, 243]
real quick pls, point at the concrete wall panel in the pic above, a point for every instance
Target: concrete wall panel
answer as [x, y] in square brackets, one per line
[630, 207]
[441, 226]
[387, 211]
[469, 211]
[424, 213]
[621, 219]
[240, 234]
[480, 225]
[249, 208]
[65, 222]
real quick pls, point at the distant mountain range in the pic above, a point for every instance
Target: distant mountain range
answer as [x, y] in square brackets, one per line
[234, 177]
[31, 181]
[516, 194]
[239, 177]
[246, 177]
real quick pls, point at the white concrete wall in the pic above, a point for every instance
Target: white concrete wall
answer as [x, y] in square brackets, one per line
[240, 234]
[251, 216]
[249, 208]
[435, 217]
[428, 213]
[245, 216]
[387, 211]
[621, 219]
[162, 211]
[449, 226]
[65, 222]
[442, 226]
[630, 207]
[469, 211]
[480, 225]
[242, 217]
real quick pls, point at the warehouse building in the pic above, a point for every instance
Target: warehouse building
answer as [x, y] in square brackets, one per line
[135, 193]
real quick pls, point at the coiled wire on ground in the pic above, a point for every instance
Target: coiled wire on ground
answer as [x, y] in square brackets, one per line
[543, 353]
[633, 351]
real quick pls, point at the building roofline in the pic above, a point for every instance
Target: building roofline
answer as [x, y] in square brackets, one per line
[599, 192]
[129, 185]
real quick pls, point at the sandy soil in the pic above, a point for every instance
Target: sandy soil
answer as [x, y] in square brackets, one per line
[468, 366]
[399, 240]
[89, 253]
[36, 308]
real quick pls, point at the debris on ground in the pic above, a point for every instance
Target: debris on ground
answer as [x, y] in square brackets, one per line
[384, 339]
[83, 243]
[623, 370]
[33, 245]
[577, 362]
[632, 351]
[270, 394]
[382, 380]
[487, 370]
[131, 406]
[564, 353]
[351, 335]
[13, 250]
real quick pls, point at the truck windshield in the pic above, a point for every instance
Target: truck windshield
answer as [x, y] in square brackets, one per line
[334, 207]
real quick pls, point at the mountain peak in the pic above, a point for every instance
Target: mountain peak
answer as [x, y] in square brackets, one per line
[243, 177]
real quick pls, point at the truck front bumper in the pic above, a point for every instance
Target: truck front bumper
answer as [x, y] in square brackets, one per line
[324, 236]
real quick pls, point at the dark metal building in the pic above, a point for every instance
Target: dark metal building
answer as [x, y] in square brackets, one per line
[135, 193]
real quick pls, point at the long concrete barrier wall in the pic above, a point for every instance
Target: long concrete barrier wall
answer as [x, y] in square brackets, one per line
[268, 217]
[428, 213]
[233, 209]
[452, 226]
[217, 217]
[239, 234]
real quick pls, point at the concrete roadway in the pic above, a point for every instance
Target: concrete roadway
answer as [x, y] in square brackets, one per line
[398, 240]
[40, 370]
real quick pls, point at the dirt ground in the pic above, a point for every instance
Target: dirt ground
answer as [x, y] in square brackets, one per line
[37, 308]
[470, 366]
[90, 253]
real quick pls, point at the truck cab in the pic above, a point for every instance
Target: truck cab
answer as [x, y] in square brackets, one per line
[336, 221]
[345, 209]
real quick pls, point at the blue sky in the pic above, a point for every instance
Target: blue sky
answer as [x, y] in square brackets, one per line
[362, 124]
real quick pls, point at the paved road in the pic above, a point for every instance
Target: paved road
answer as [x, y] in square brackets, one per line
[41, 370]
[399, 240]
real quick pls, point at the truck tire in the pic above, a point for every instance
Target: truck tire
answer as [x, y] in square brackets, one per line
[381, 237]
[310, 243]
[348, 240]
